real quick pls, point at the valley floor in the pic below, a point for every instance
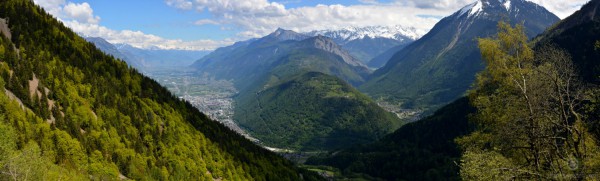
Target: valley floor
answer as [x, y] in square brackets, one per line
[210, 96]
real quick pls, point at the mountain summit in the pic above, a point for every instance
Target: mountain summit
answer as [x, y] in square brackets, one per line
[441, 66]
[282, 35]
[328, 45]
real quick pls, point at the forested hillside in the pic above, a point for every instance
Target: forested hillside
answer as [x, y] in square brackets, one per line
[70, 112]
[422, 150]
[314, 111]
[287, 107]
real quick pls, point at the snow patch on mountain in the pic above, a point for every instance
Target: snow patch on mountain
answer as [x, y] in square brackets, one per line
[397, 32]
[507, 5]
[467, 8]
[477, 8]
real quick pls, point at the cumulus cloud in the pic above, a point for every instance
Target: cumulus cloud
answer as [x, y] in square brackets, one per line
[257, 18]
[562, 8]
[143, 40]
[53, 7]
[80, 17]
[81, 12]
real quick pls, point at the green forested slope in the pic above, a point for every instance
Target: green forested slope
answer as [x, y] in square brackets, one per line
[314, 111]
[422, 150]
[86, 115]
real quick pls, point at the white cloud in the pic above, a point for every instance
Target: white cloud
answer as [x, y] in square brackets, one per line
[562, 8]
[257, 18]
[81, 12]
[80, 17]
[142, 40]
[53, 7]
[206, 22]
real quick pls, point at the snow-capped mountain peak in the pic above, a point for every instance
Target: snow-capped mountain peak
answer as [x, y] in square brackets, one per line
[478, 7]
[397, 32]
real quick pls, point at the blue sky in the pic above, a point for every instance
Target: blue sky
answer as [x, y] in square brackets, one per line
[209, 24]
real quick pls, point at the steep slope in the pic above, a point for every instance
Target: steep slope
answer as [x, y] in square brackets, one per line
[365, 43]
[85, 115]
[314, 111]
[441, 66]
[579, 35]
[422, 150]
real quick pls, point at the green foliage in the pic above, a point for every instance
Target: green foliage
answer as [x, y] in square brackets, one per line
[315, 111]
[422, 150]
[485, 166]
[530, 122]
[95, 116]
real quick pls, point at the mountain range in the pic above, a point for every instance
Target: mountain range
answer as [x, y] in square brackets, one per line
[143, 59]
[248, 62]
[287, 74]
[439, 67]
[365, 43]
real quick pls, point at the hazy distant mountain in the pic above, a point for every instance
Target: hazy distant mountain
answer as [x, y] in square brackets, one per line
[163, 58]
[368, 42]
[440, 66]
[148, 58]
[111, 49]
[381, 59]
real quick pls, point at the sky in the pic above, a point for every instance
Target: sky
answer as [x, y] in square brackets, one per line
[209, 24]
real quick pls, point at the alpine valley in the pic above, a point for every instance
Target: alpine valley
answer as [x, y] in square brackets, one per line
[496, 90]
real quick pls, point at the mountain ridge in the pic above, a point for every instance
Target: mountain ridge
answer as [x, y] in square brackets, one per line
[441, 65]
[366, 43]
